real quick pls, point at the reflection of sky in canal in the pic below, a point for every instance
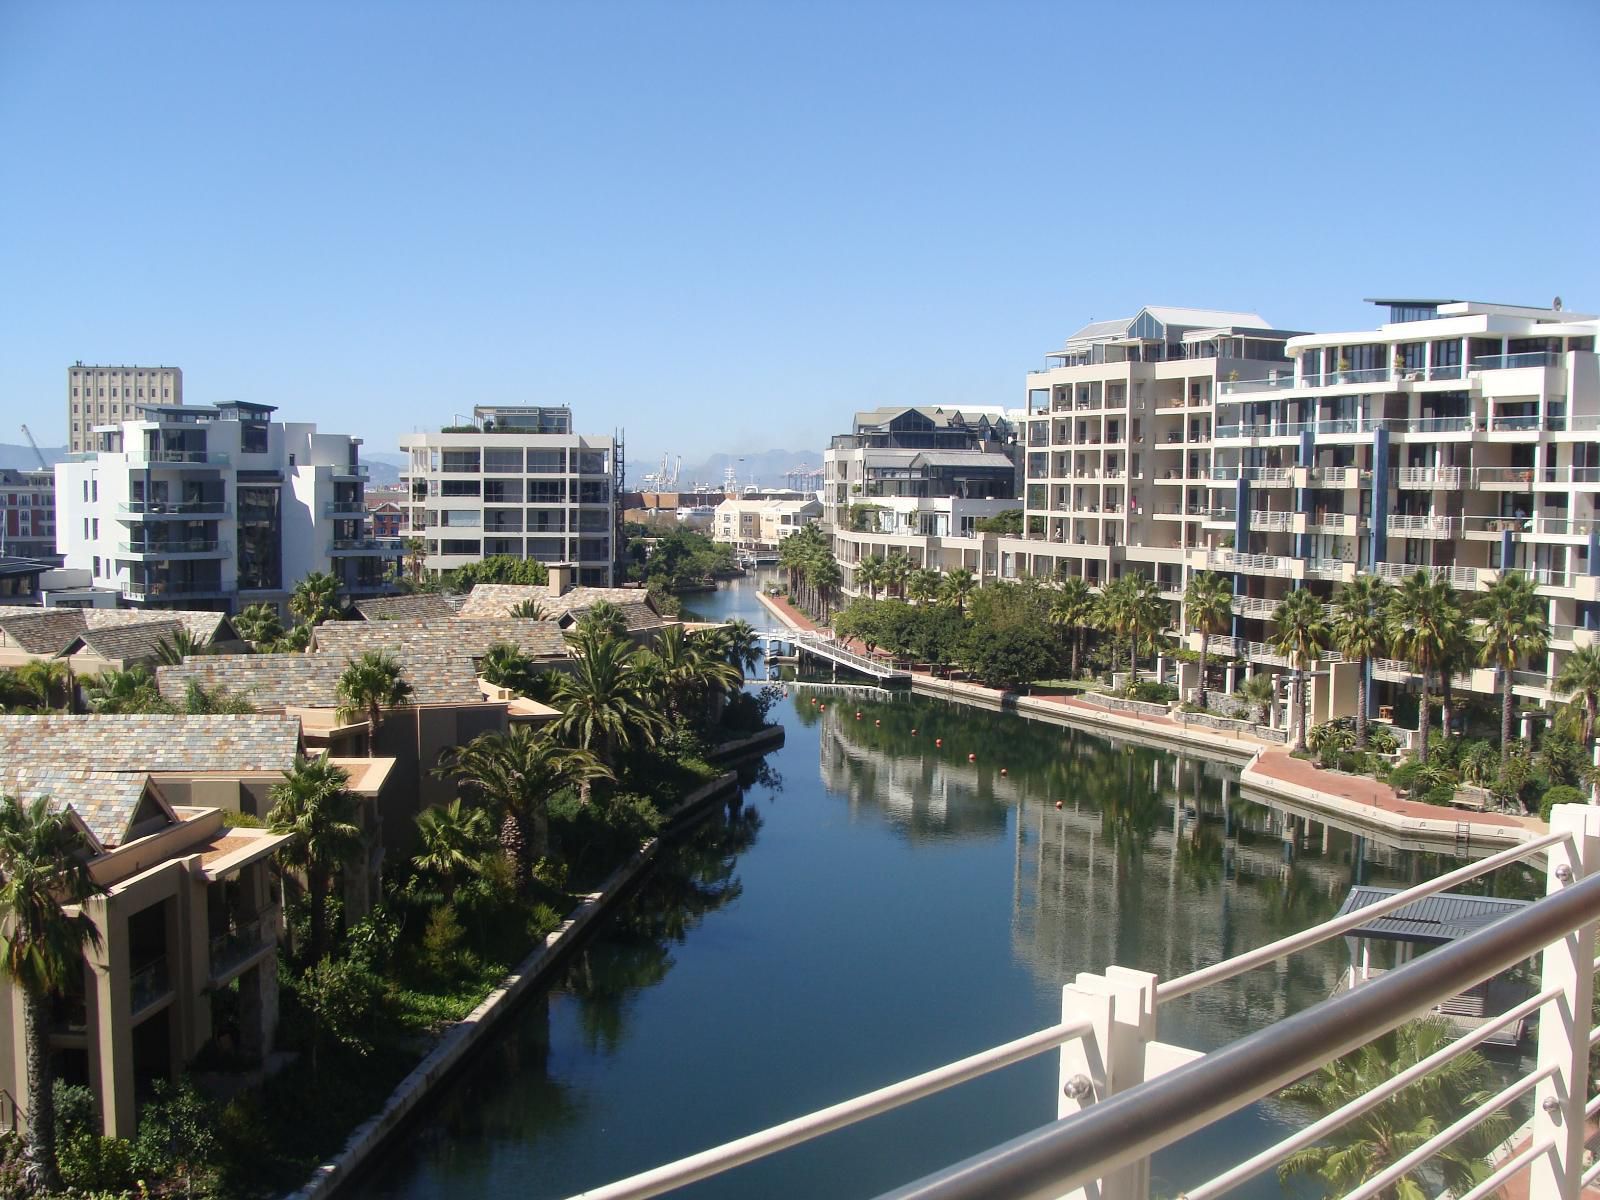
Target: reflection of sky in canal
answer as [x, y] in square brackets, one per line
[897, 907]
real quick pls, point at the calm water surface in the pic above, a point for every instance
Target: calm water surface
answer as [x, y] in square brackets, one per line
[876, 908]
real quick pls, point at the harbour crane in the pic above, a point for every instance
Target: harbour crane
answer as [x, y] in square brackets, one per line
[37, 453]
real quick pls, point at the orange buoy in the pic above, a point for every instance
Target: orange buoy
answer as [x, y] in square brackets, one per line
[972, 758]
[1002, 770]
[1058, 804]
[913, 733]
[938, 741]
[858, 714]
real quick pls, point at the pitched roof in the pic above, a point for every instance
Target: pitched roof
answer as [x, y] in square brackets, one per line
[1207, 318]
[126, 643]
[964, 458]
[203, 626]
[636, 615]
[422, 604]
[105, 801]
[276, 681]
[454, 635]
[42, 630]
[153, 743]
[1442, 917]
[498, 599]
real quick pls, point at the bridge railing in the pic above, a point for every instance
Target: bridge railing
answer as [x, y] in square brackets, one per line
[1124, 1095]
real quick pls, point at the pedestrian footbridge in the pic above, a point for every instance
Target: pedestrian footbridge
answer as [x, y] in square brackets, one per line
[820, 645]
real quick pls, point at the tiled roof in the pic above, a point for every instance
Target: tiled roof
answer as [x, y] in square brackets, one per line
[145, 744]
[436, 605]
[416, 637]
[42, 630]
[127, 643]
[204, 627]
[276, 681]
[104, 800]
[636, 614]
[498, 599]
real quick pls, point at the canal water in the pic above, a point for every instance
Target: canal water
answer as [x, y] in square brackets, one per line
[878, 906]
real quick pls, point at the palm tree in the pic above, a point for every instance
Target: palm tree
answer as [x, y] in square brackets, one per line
[43, 872]
[957, 586]
[1579, 677]
[182, 644]
[1207, 609]
[505, 665]
[604, 707]
[518, 771]
[1131, 607]
[1422, 617]
[258, 624]
[1300, 635]
[872, 574]
[796, 549]
[1072, 608]
[453, 843]
[373, 682]
[315, 598]
[531, 610]
[823, 576]
[896, 570]
[44, 678]
[315, 806]
[603, 618]
[1375, 1140]
[416, 552]
[1461, 649]
[739, 645]
[1360, 632]
[130, 691]
[1514, 628]
[922, 585]
[1259, 691]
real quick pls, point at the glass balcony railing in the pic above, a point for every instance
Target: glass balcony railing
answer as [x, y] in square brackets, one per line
[233, 947]
[1505, 362]
[184, 546]
[148, 985]
[179, 457]
[176, 507]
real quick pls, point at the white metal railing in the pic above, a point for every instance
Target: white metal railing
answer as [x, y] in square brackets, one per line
[1125, 1095]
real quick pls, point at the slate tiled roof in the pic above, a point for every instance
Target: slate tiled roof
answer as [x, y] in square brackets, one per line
[204, 627]
[275, 681]
[146, 744]
[498, 599]
[434, 605]
[636, 614]
[420, 636]
[105, 801]
[1442, 917]
[136, 642]
[42, 630]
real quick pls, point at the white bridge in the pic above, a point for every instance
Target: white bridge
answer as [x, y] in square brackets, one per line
[822, 646]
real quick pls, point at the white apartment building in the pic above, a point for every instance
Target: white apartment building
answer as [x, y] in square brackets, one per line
[517, 481]
[760, 522]
[112, 395]
[913, 480]
[1458, 436]
[27, 513]
[217, 507]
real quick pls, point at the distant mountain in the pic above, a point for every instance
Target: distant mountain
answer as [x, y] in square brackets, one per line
[763, 468]
[383, 469]
[22, 458]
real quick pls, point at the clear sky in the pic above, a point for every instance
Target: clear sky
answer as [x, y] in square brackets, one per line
[724, 226]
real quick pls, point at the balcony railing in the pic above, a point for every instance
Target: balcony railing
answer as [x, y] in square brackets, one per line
[1519, 423]
[356, 546]
[1424, 525]
[148, 985]
[162, 589]
[344, 508]
[1461, 577]
[1125, 1096]
[1281, 382]
[179, 457]
[175, 508]
[240, 943]
[351, 471]
[1506, 362]
[1432, 477]
[175, 548]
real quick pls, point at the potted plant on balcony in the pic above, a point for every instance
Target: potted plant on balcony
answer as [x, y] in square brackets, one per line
[1344, 370]
[1233, 378]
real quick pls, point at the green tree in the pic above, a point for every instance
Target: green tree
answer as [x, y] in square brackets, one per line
[823, 577]
[497, 568]
[373, 682]
[181, 644]
[1131, 607]
[1009, 657]
[258, 624]
[505, 665]
[896, 570]
[1579, 677]
[46, 680]
[1301, 635]
[1259, 691]
[602, 619]
[872, 573]
[1372, 1142]
[1072, 608]
[1514, 629]
[1007, 524]
[130, 691]
[1360, 631]
[922, 585]
[517, 772]
[1423, 615]
[453, 840]
[315, 806]
[957, 586]
[315, 598]
[605, 708]
[531, 610]
[1208, 610]
[416, 552]
[43, 872]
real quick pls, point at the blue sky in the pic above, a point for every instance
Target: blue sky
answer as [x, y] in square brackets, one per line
[725, 226]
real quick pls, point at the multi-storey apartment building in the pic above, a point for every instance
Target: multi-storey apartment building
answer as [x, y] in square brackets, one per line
[217, 507]
[759, 523]
[1458, 437]
[111, 395]
[27, 513]
[915, 480]
[517, 481]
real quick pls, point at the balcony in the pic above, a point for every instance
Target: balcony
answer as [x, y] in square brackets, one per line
[1429, 477]
[1519, 423]
[1249, 564]
[1277, 382]
[1461, 577]
[1331, 570]
[348, 510]
[190, 548]
[340, 547]
[234, 948]
[1343, 523]
[1514, 477]
[179, 458]
[149, 986]
[167, 590]
[174, 508]
[1508, 362]
[1365, 376]
[1424, 526]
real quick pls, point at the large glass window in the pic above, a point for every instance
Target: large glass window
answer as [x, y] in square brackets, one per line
[547, 462]
[502, 491]
[498, 458]
[260, 552]
[547, 491]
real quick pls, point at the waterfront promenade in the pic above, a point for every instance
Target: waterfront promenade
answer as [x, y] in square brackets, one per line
[1267, 767]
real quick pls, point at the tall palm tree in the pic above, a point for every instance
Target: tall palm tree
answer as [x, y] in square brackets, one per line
[604, 619]
[315, 598]
[373, 682]
[315, 805]
[957, 586]
[871, 573]
[795, 550]
[605, 708]
[453, 842]
[1422, 618]
[1360, 632]
[922, 585]
[896, 570]
[1072, 608]
[258, 624]
[1375, 1140]
[46, 679]
[823, 577]
[739, 645]
[416, 552]
[1133, 608]
[505, 665]
[43, 871]
[1514, 629]
[1259, 691]
[1301, 635]
[1579, 677]
[518, 771]
[130, 691]
[1207, 609]
[1461, 650]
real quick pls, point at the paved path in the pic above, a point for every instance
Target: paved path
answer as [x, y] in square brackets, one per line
[791, 615]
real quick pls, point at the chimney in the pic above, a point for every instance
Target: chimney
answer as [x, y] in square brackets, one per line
[562, 577]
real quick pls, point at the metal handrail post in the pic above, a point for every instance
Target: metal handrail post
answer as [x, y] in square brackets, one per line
[1559, 1102]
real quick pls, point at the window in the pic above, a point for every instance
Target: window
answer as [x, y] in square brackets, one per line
[547, 462]
[547, 491]
[97, 566]
[502, 461]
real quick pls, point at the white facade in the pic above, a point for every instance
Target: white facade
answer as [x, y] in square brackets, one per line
[521, 483]
[112, 395]
[760, 524]
[220, 507]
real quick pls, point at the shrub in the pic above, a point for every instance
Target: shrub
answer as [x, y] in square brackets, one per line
[1560, 794]
[371, 941]
[1382, 740]
[13, 1168]
[177, 1134]
[343, 1000]
[1151, 691]
[542, 921]
[1441, 794]
[442, 942]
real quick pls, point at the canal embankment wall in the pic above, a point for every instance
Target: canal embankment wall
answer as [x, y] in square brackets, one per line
[463, 1037]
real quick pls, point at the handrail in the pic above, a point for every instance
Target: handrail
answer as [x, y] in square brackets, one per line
[1053, 1160]
[836, 1116]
